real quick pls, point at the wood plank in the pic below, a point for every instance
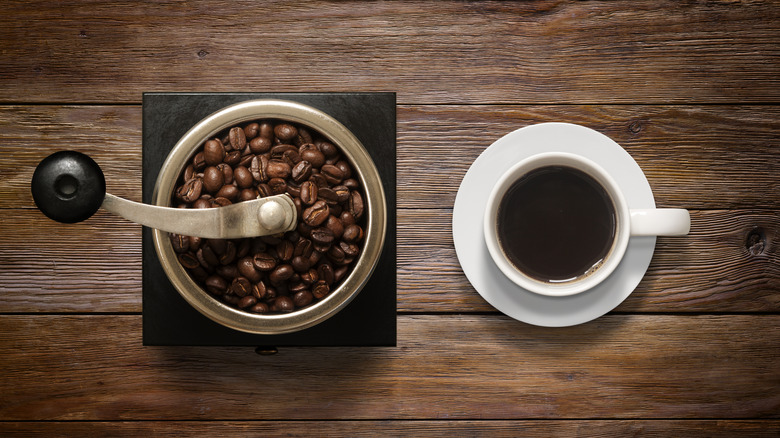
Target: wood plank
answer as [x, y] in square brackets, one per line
[96, 265]
[700, 157]
[419, 428]
[475, 52]
[94, 368]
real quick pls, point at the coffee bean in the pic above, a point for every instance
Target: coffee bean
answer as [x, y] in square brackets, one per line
[281, 273]
[346, 169]
[246, 268]
[259, 308]
[190, 191]
[251, 130]
[350, 249]
[229, 192]
[241, 286]
[278, 169]
[242, 177]
[213, 152]
[351, 184]
[264, 261]
[247, 301]
[309, 192]
[310, 153]
[352, 233]
[237, 138]
[216, 285]
[336, 254]
[195, 243]
[246, 158]
[227, 172]
[180, 243]
[300, 263]
[188, 260]
[303, 136]
[340, 273]
[284, 250]
[326, 274]
[258, 167]
[277, 186]
[247, 195]
[266, 129]
[322, 236]
[285, 131]
[283, 304]
[328, 195]
[332, 174]
[233, 158]
[293, 189]
[320, 289]
[229, 256]
[227, 271]
[302, 298]
[303, 247]
[355, 205]
[213, 179]
[209, 256]
[320, 180]
[310, 277]
[317, 214]
[259, 290]
[263, 190]
[202, 202]
[220, 202]
[334, 225]
[328, 149]
[189, 172]
[301, 172]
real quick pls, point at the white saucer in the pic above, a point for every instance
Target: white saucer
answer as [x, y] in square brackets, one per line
[471, 200]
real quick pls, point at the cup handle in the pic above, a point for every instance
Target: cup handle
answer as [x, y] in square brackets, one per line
[660, 222]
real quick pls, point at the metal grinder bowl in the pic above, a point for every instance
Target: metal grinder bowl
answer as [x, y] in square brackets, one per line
[375, 215]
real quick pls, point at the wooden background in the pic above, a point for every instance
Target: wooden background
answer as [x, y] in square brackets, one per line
[690, 88]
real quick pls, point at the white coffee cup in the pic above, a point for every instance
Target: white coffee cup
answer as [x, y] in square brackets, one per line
[627, 223]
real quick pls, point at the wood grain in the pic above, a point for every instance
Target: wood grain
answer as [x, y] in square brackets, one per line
[474, 52]
[701, 157]
[445, 367]
[96, 265]
[420, 428]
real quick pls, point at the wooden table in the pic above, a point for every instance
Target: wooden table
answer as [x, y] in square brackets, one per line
[689, 89]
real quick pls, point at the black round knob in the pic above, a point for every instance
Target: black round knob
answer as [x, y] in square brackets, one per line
[68, 186]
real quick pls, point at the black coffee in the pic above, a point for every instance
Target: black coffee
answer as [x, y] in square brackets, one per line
[556, 223]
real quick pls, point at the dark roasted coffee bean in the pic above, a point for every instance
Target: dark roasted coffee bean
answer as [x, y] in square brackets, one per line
[347, 219]
[259, 308]
[333, 174]
[272, 239]
[328, 195]
[266, 129]
[213, 152]
[189, 172]
[336, 255]
[270, 294]
[251, 130]
[209, 257]
[202, 202]
[310, 153]
[285, 131]
[247, 194]
[278, 169]
[264, 261]
[355, 205]
[322, 236]
[258, 167]
[342, 193]
[325, 271]
[315, 256]
[220, 202]
[284, 250]
[259, 290]
[242, 248]
[303, 247]
[242, 177]
[303, 136]
[277, 186]
[351, 184]
[213, 179]
[283, 304]
[350, 249]
[296, 285]
[301, 172]
[233, 158]
[293, 189]
[317, 214]
[346, 169]
[190, 190]
[327, 148]
[260, 145]
[302, 298]
[216, 285]
[231, 299]
[188, 260]
[309, 192]
[227, 172]
[181, 244]
[199, 274]
[229, 192]
[281, 273]
[241, 286]
[263, 190]
[246, 158]
[195, 243]
[219, 246]
[340, 273]
[237, 138]
[310, 277]
[291, 157]
[300, 263]
[198, 162]
[320, 289]
[246, 267]
[352, 233]
[229, 256]
[247, 301]
[319, 179]
[228, 271]
[334, 224]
